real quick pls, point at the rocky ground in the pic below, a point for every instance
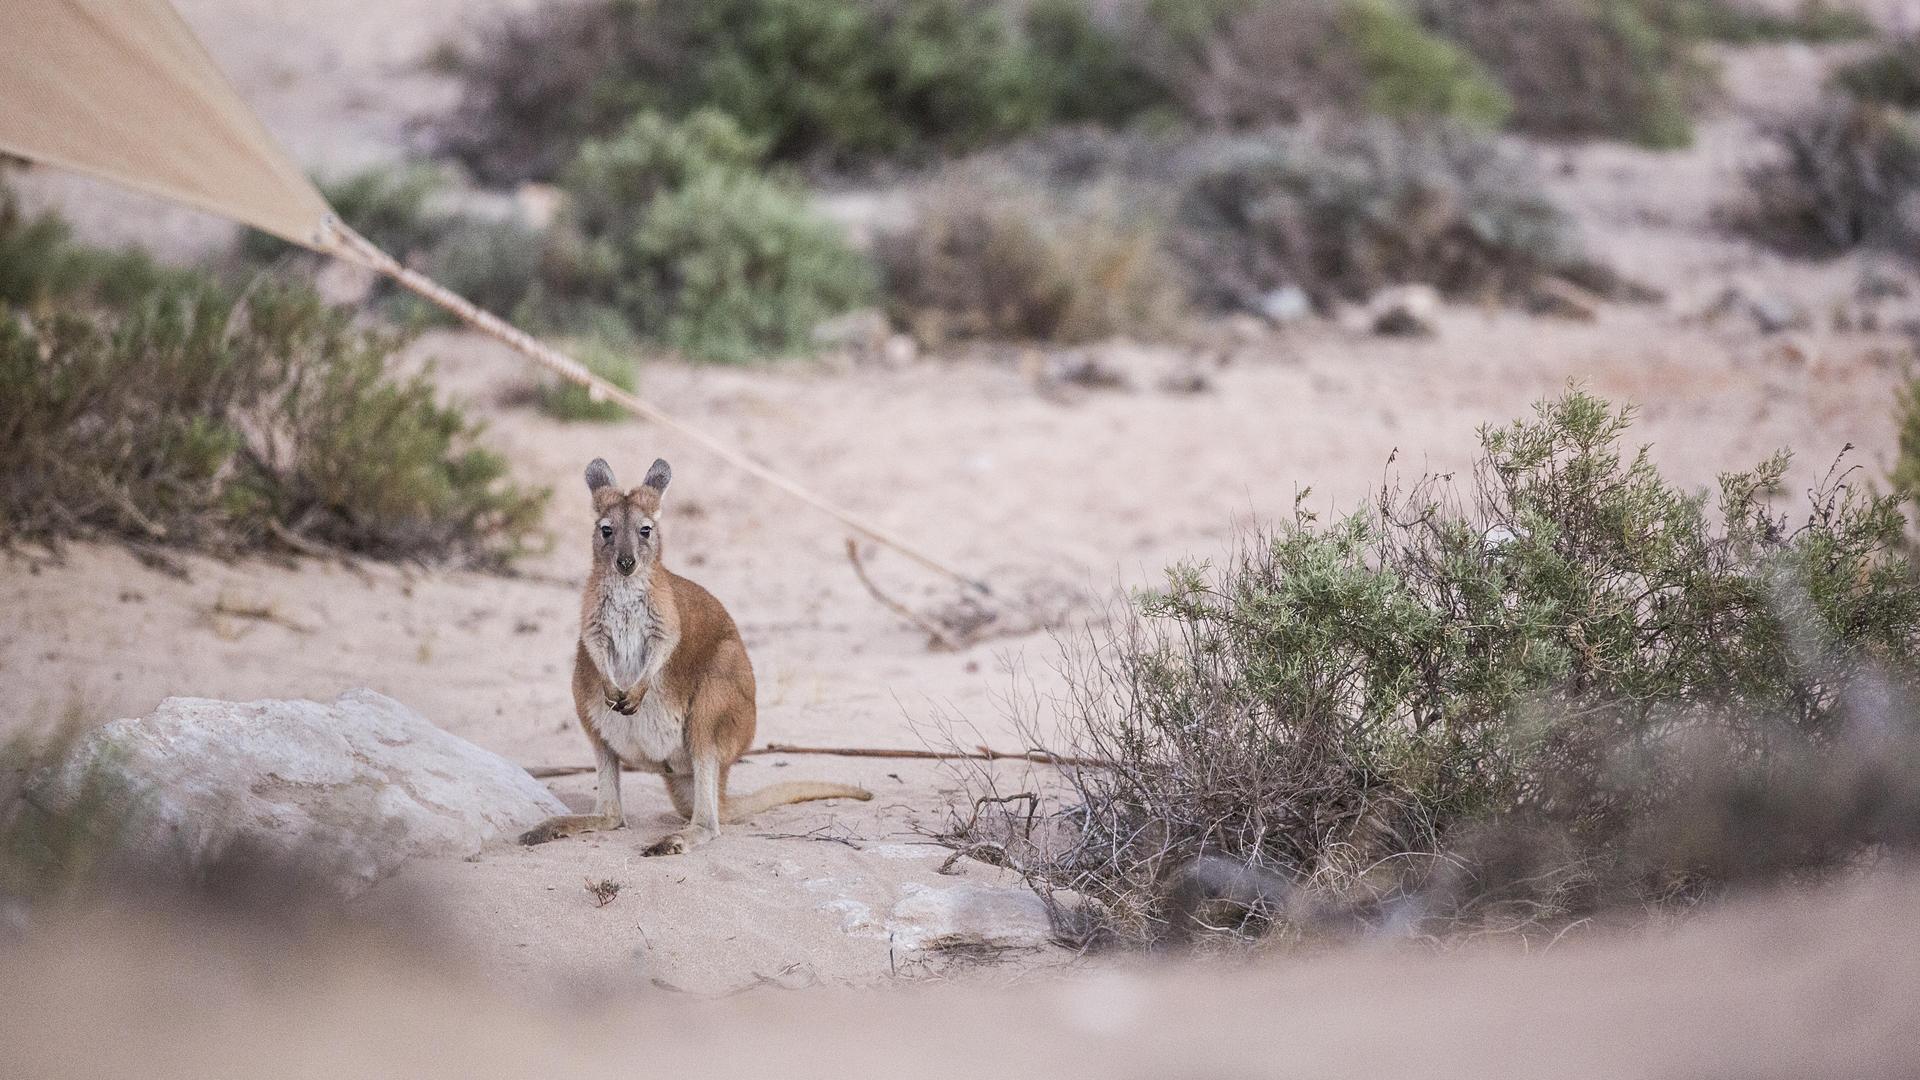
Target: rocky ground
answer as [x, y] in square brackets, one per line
[1054, 492]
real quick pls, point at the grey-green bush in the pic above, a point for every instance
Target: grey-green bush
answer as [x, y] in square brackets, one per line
[1344, 210]
[679, 230]
[840, 80]
[1240, 63]
[1889, 76]
[1565, 680]
[187, 415]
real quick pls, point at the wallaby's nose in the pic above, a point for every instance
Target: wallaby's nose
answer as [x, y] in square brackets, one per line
[624, 564]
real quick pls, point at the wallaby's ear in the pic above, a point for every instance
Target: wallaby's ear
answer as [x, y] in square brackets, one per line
[599, 475]
[659, 476]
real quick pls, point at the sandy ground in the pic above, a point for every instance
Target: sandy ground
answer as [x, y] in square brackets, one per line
[1798, 986]
[1045, 498]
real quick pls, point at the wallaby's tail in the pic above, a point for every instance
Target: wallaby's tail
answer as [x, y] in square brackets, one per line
[739, 808]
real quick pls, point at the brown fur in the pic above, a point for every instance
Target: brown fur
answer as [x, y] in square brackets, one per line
[661, 679]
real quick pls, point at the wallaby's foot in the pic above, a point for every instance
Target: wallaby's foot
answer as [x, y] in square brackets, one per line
[568, 825]
[680, 843]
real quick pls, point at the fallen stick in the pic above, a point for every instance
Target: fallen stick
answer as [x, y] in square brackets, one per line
[928, 626]
[542, 772]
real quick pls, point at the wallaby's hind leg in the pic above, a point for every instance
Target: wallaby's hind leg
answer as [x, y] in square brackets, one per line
[703, 791]
[606, 814]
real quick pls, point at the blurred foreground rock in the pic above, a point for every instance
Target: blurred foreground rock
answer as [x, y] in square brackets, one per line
[347, 791]
[968, 917]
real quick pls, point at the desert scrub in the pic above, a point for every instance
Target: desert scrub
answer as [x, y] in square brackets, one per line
[1343, 210]
[675, 226]
[608, 353]
[1751, 22]
[1564, 656]
[1627, 69]
[1841, 176]
[842, 81]
[988, 258]
[1889, 76]
[1239, 63]
[188, 415]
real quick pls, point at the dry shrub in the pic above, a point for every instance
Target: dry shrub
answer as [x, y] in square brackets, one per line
[1621, 68]
[1843, 175]
[1567, 686]
[987, 259]
[1344, 210]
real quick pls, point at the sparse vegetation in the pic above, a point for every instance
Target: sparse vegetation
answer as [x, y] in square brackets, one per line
[1568, 684]
[1625, 69]
[987, 259]
[1890, 76]
[610, 356]
[1343, 211]
[1842, 177]
[679, 231]
[190, 415]
[1745, 22]
[1238, 64]
[814, 79]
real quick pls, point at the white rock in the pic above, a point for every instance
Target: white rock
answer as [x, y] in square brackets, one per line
[963, 916]
[351, 789]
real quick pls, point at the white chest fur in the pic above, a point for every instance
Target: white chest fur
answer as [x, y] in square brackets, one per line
[630, 645]
[653, 734]
[624, 634]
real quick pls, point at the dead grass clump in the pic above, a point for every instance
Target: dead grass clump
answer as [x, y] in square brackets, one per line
[1843, 175]
[1569, 685]
[1345, 210]
[987, 259]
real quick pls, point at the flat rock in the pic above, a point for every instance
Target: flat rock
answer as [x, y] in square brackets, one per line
[353, 788]
[968, 916]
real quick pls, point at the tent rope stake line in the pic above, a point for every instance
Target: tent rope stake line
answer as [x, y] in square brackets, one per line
[356, 248]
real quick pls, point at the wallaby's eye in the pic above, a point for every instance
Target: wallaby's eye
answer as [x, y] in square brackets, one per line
[606, 532]
[646, 530]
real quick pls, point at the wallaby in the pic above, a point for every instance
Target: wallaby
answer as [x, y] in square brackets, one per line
[661, 679]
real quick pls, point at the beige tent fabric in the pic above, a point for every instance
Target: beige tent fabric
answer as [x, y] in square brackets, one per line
[123, 90]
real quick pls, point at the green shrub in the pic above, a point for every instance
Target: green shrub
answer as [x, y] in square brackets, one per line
[679, 232]
[1890, 76]
[189, 416]
[612, 360]
[1746, 22]
[1411, 73]
[986, 259]
[1840, 177]
[40, 264]
[1251, 63]
[1626, 69]
[1347, 210]
[1569, 649]
[843, 80]
[1088, 72]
